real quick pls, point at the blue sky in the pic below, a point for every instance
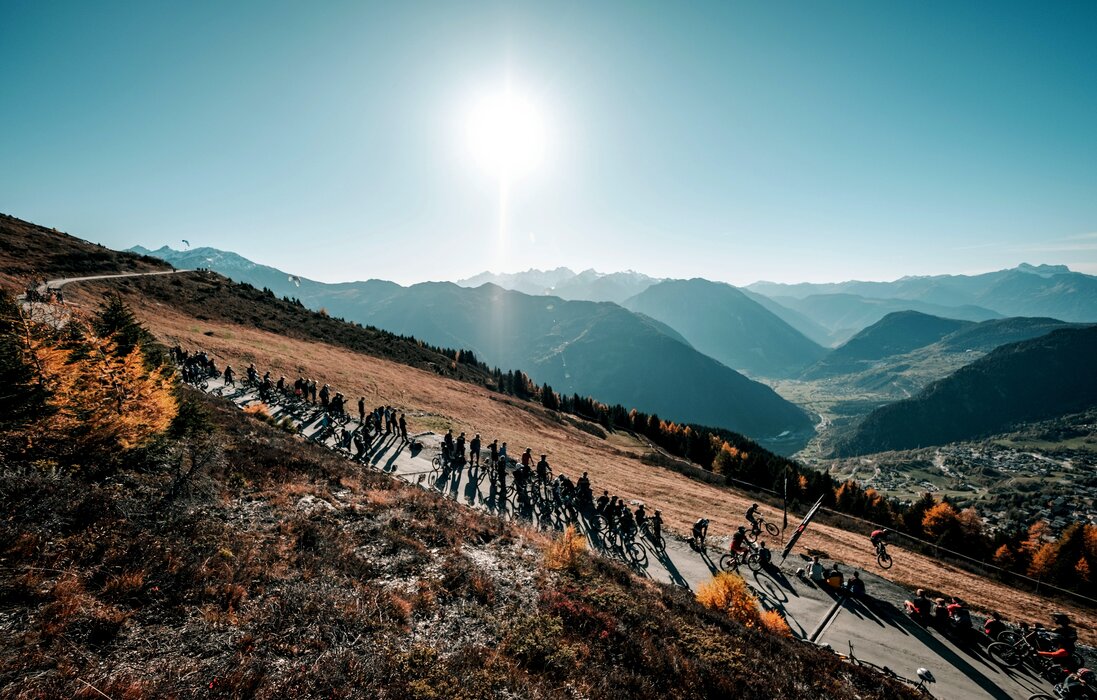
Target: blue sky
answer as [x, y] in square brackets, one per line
[734, 141]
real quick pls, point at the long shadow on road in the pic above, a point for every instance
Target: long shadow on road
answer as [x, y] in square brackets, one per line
[896, 618]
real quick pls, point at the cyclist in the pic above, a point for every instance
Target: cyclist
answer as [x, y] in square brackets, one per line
[700, 532]
[1064, 635]
[543, 469]
[253, 374]
[325, 395]
[474, 450]
[493, 451]
[657, 524]
[640, 516]
[230, 376]
[1081, 685]
[362, 410]
[503, 453]
[602, 503]
[582, 484]
[738, 541]
[626, 525]
[752, 518]
[521, 477]
[459, 455]
[764, 555]
[447, 445]
[879, 539]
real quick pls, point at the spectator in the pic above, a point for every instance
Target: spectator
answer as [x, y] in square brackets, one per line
[816, 572]
[856, 586]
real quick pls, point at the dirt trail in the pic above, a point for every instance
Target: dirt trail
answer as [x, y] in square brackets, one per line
[435, 403]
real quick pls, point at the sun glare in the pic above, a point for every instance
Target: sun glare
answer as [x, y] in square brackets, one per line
[505, 133]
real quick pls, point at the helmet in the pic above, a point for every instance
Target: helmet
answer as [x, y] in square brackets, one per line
[1087, 676]
[1060, 617]
[753, 505]
[742, 528]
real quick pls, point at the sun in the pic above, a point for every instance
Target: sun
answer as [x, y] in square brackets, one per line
[505, 133]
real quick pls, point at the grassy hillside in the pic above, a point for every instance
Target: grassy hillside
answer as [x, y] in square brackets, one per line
[1028, 381]
[29, 251]
[722, 322]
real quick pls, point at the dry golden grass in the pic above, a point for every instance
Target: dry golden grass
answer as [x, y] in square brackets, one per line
[430, 400]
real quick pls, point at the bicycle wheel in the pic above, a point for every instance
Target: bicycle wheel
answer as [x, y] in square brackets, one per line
[773, 530]
[884, 560]
[752, 536]
[1008, 637]
[597, 523]
[753, 562]
[1004, 655]
[637, 553]
[729, 562]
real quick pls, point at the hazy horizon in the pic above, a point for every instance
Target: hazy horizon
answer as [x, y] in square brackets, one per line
[576, 270]
[737, 142]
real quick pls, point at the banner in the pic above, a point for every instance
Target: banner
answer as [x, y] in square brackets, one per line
[784, 524]
[800, 530]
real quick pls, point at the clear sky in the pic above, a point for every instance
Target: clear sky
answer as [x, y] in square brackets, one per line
[802, 141]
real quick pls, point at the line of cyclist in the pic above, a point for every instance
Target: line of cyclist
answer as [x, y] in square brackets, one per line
[532, 481]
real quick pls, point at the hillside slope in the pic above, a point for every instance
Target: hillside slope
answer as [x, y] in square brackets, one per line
[895, 334]
[722, 322]
[32, 251]
[597, 349]
[1032, 380]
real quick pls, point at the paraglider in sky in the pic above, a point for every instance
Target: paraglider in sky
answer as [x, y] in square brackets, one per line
[295, 279]
[186, 243]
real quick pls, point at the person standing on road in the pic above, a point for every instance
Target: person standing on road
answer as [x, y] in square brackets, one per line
[403, 428]
[362, 410]
[493, 451]
[474, 450]
[230, 376]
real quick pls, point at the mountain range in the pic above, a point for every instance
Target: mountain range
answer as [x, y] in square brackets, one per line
[593, 348]
[1035, 379]
[588, 285]
[726, 324]
[1026, 290]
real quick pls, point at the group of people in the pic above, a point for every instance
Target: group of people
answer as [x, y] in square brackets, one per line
[533, 480]
[50, 295]
[196, 366]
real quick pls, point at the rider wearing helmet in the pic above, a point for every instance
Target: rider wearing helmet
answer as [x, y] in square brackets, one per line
[738, 539]
[1063, 634]
[700, 530]
[752, 518]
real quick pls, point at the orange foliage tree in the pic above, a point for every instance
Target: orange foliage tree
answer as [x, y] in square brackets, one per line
[102, 394]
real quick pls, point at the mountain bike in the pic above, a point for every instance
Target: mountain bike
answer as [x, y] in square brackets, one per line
[660, 542]
[883, 559]
[733, 560]
[761, 525]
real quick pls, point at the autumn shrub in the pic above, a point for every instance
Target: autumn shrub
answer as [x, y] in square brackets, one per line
[567, 552]
[729, 594]
[774, 622]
